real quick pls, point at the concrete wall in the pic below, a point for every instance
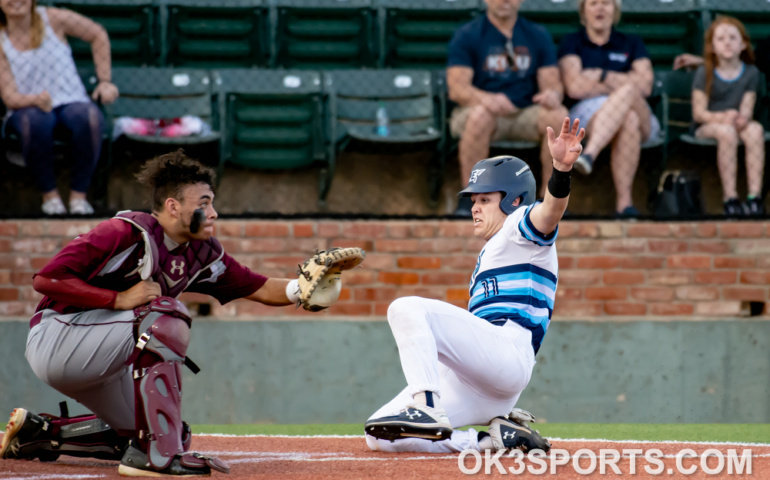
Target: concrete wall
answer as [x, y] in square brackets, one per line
[341, 371]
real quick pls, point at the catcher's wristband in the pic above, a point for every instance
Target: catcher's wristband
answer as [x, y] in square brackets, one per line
[292, 291]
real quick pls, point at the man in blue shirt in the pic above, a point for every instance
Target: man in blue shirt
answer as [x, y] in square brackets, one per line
[502, 73]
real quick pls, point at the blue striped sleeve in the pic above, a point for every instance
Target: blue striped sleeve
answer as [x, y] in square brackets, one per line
[532, 234]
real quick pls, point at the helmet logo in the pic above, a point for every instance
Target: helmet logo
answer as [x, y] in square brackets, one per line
[523, 169]
[476, 174]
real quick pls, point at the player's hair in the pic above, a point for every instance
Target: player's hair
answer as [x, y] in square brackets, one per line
[710, 60]
[167, 175]
[615, 17]
[38, 29]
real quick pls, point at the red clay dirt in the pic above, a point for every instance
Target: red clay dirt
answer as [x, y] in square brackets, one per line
[298, 458]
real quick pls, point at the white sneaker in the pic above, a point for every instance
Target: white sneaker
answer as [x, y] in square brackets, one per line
[80, 206]
[584, 164]
[54, 206]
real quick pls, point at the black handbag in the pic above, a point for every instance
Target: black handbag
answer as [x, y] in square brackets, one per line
[679, 195]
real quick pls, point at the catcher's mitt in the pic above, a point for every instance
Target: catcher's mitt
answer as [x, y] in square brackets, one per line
[319, 277]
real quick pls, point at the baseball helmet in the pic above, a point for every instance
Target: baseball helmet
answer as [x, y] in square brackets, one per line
[509, 175]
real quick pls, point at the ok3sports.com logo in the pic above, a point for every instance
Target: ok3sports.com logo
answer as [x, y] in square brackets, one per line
[607, 461]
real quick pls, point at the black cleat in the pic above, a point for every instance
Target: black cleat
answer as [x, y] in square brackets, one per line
[26, 437]
[415, 421]
[189, 464]
[508, 434]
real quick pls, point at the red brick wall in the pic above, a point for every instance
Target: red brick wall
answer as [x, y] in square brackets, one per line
[608, 269]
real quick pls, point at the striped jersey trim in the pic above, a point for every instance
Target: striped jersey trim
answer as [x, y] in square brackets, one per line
[528, 230]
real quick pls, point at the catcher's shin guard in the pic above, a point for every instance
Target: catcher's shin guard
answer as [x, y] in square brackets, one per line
[29, 436]
[164, 334]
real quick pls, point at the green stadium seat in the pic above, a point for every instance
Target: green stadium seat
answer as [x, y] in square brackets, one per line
[413, 105]
[755, 14]
[325, 34]
[667, 27]
[165, 93]
[215, 33]
[416, 33]
[275, 120]
[131, 25]
[559, 17]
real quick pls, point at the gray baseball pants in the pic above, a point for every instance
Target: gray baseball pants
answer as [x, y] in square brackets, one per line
[83, 355]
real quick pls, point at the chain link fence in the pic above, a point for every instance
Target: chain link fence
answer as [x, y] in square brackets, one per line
[672, 92]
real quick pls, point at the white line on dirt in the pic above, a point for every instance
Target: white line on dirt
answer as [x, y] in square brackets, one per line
[602, 440]
[259, 457]
[659, 442]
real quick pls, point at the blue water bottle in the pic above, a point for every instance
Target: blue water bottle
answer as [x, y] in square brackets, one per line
[383, 122]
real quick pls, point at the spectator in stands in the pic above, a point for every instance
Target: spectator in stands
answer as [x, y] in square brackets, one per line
[761, 56]
[502, 73]
[723, 99]
[42, 90]
[609, 74]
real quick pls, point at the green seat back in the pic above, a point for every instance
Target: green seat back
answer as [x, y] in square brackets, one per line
[677, 86]
[416, 33]
[162, 93]
[318, 34]
[755, 14]
[407, 96]
[667, 27]
[558, 17]
[216, 33]
[273, 119]
[131, 24]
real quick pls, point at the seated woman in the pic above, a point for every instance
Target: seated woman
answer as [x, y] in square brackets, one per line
[42, 90]
[609, 74]
[723, 98]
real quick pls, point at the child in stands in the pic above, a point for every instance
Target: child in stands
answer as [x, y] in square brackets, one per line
[723, 98]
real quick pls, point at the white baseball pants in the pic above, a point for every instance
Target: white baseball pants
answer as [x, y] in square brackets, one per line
[477, 369]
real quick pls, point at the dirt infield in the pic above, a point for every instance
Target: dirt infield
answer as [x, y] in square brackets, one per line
[282, 457]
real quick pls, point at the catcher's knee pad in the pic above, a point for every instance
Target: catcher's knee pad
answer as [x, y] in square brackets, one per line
[163, 340]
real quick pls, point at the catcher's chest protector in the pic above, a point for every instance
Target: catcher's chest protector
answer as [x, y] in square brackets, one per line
[174, 271]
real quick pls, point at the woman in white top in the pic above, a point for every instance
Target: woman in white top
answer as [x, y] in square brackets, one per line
[42, 90]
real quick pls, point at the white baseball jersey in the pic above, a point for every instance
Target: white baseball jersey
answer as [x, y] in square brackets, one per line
[516, 275]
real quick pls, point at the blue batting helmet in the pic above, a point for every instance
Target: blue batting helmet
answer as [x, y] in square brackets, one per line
[509, 175]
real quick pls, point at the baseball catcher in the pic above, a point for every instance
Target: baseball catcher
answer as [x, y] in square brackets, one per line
[469, 367]
[118, 284]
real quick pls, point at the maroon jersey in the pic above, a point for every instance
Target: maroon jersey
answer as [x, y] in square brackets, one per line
[122, 251]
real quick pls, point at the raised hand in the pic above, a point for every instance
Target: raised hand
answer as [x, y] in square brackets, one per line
[566, 148]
